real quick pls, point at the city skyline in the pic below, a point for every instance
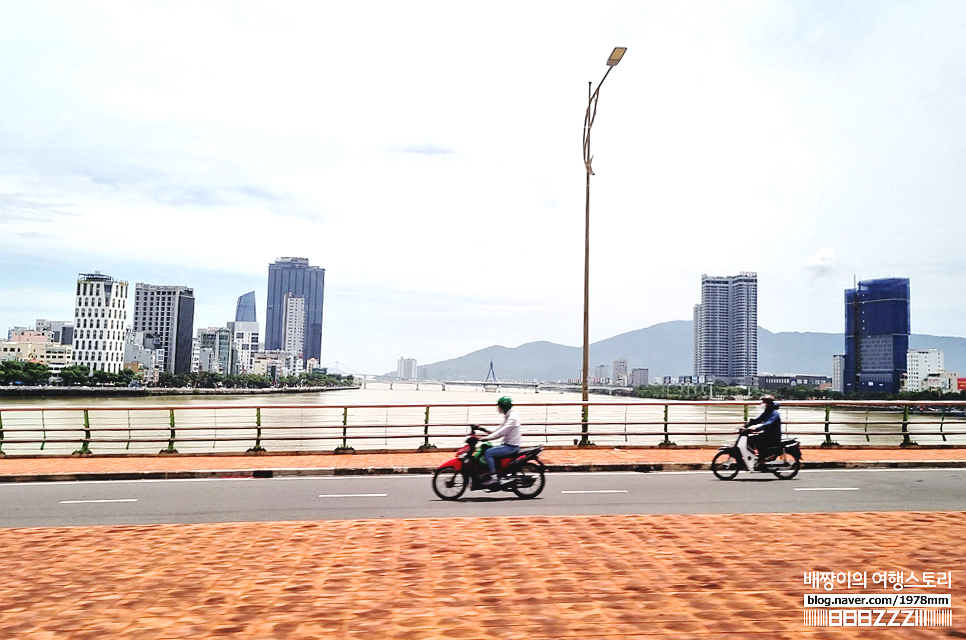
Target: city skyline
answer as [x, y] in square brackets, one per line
[813, 143]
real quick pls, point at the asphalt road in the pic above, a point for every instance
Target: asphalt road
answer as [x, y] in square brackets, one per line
[402, 496]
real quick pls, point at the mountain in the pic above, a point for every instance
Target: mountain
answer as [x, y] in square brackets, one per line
[666, 349]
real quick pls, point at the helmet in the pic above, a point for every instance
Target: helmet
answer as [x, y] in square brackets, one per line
[768, 399]
[504, 403]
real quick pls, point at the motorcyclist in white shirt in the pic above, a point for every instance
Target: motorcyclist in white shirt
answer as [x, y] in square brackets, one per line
[509, 431]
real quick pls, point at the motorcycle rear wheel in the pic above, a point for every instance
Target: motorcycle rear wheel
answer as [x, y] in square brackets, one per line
[529, 474]
[724, 466]
[449, 483]
[787, 466]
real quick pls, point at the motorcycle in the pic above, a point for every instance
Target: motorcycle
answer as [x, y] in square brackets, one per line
[783, 461]
[521, 473]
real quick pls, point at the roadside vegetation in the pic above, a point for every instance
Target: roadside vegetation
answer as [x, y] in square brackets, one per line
[724, 392]
[17, 373]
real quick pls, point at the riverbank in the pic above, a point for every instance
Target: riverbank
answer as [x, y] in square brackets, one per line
[147, 392]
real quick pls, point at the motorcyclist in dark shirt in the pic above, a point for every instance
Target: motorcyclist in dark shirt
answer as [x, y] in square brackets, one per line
[769, 434]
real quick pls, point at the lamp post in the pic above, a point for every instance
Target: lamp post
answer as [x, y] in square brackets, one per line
[591, 114]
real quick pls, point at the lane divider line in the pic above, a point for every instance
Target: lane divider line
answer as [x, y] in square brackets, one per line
[97, 501]
[599, 491]
[826, 489]
[353, 495]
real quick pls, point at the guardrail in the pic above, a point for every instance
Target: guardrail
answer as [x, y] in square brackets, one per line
[314, 428]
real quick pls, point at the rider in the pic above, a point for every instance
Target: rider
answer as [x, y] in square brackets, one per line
[509, 431]
[769, 434]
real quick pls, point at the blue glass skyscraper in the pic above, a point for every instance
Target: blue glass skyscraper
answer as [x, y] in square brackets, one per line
[876, 335]
[245, 309]
[295, 276]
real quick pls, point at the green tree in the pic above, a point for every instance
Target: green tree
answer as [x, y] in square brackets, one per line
[75, 374]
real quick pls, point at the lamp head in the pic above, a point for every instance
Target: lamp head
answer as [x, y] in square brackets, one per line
[616, 56]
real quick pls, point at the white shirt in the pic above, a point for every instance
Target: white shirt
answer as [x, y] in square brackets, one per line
[509, 430]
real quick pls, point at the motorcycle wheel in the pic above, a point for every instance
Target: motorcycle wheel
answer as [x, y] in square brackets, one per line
[786, 466]
[449, 483]
[724, 466]
[529, 480]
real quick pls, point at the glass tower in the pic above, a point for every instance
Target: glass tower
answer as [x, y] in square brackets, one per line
[245, 309]
[297, 277]
[876, 335]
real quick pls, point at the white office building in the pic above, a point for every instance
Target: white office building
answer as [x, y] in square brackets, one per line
[838, 373]
[920, 365]
[619, 369]
[406, 369]
[293, 324]
[244, 346]
[100, 313]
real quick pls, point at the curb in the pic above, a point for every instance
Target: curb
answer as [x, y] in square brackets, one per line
[656, 467]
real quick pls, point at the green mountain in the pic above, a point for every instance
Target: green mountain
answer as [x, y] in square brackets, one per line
[666, 349]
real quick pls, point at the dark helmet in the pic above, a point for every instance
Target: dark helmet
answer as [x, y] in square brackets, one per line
[504, 403]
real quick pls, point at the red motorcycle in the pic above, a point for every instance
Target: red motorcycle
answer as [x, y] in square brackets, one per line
[522, 473]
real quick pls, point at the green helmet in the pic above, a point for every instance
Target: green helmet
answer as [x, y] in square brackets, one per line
[504, 403]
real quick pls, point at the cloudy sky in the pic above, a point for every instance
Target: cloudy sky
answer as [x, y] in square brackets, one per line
[428, 156]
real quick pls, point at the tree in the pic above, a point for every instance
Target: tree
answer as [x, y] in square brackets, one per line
[74, 374]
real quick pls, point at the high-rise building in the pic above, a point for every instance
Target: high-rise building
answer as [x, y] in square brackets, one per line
[876, 335]
[168, 314]
[293, 325]
[406, 369]
[920, 365]
[214, 349]
[601, 374]
[100, 312]
[295, 276]
[838, 373]
[619, 369]
[245, 308]
[244, 346]
[639, 377]
[726, 328]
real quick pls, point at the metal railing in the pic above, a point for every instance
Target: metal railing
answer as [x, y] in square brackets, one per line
[316, 428]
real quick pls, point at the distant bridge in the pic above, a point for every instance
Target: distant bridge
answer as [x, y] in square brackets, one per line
[496, 385]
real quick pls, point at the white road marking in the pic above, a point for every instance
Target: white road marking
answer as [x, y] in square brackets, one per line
[353, 495]
[599, 491]
[97, 501]
[826, 489]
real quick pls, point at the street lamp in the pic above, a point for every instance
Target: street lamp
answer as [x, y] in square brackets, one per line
[591, 114]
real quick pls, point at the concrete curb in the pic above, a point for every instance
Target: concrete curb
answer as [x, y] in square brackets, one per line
[656, 467]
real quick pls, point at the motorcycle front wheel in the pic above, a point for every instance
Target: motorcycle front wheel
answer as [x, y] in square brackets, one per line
[449, 483]
[785, 466]
[724, 466]
[529, 480]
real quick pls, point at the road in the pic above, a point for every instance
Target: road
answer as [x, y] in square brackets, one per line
[403, 496]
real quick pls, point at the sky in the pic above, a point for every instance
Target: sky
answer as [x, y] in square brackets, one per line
[428, 156]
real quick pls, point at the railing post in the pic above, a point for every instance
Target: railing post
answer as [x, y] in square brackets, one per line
[828, 436]
[345, 448]
[171, 437]
[666, 442]
[426, 446]
[258, 448]
[906, 442]
[1, 435]
[85, 449]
